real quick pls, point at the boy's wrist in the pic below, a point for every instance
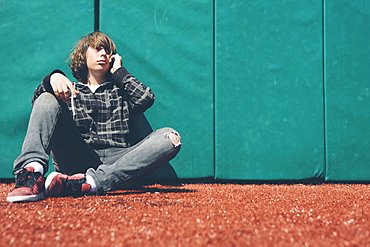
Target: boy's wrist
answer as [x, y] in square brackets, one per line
[46, 81]
[120, 74]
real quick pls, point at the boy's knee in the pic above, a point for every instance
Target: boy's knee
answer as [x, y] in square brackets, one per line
[46, 98]
[173, 135]
[175, 138]
[46, 102]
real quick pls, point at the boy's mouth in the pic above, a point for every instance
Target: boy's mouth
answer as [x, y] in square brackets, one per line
[102, 62]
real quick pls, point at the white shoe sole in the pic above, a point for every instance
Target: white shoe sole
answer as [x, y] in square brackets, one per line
[28, 198]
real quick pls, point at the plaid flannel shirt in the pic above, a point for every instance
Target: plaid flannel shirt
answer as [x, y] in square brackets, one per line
[103, 117]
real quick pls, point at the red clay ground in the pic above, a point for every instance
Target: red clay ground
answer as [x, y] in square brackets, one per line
[195, 215]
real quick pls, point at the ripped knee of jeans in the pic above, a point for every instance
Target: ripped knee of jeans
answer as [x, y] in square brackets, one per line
[175, 138]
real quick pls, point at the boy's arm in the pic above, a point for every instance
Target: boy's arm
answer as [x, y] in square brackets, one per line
[140, 97]
[57, 84]
[45, 86]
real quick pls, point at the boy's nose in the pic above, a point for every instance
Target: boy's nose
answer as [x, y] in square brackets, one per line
[103, 52]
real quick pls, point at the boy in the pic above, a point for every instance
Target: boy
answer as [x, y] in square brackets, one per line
[85, 126]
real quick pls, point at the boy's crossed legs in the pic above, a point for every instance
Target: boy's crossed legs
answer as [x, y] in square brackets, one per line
[51, 129]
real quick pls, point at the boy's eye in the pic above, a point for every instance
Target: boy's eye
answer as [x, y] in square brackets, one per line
[97, 49]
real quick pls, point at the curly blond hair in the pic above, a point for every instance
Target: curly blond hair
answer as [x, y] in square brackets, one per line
[78, 55]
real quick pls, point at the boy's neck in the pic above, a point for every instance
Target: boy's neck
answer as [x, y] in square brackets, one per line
[95, 80]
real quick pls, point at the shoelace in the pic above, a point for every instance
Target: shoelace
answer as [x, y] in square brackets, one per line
[74, 186]
[73, 104]
[25, 179]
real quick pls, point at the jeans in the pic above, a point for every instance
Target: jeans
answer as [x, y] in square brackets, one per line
[51, 130]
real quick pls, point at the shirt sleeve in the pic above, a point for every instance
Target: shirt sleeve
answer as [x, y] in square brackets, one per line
[139, 96]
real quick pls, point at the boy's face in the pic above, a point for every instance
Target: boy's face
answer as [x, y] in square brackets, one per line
[97, 59]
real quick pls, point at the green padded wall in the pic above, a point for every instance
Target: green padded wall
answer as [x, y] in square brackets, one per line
[168, 45]
[36, 37]
[269, 90]
[259, 90]
[347, 25]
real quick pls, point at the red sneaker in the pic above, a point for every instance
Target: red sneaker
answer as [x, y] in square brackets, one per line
[29, 187]
[58, 184]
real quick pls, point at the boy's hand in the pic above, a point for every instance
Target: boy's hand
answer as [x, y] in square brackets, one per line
[117, 62]
[62, 87]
